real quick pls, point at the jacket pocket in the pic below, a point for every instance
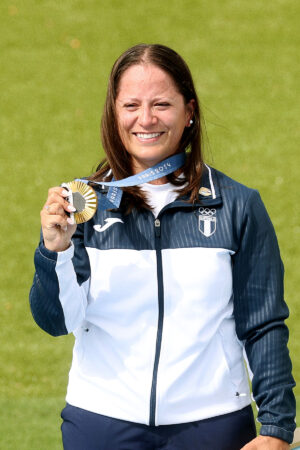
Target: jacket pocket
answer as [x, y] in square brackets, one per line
[233, 354]
[81, 336]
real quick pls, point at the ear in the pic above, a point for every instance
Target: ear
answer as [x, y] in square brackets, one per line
[190, 108]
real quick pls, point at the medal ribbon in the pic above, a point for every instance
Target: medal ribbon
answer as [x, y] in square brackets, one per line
[114, 195]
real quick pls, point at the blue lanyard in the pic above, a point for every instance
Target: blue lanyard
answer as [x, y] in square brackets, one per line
[114, 195]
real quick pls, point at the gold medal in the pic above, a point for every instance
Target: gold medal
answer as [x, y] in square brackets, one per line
[83, 198]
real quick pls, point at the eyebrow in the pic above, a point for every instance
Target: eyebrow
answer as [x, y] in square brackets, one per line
[134, 99]
[128, 99]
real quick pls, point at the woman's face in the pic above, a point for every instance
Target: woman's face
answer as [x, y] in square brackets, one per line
[151, 115]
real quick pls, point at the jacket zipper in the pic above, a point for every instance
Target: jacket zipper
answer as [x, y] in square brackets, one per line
[157, 230]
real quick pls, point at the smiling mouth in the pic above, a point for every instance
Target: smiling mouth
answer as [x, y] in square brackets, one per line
[148, 135]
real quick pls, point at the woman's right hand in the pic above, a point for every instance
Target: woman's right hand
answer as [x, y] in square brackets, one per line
[57, 226]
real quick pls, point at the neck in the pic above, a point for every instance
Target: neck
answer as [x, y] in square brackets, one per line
[162, 180]
[138, 167]
[159, 168]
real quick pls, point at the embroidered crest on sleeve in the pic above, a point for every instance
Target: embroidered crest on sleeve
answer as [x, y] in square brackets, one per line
[207, 221]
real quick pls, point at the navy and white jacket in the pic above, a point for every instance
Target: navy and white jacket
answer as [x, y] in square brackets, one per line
[162, 310]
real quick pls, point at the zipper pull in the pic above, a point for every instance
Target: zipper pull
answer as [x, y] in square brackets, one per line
[157, 227]
[240, 394]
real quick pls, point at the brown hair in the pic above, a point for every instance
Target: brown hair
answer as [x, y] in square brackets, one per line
[117, 158]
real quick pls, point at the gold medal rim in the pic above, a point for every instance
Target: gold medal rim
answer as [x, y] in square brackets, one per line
[90, 210]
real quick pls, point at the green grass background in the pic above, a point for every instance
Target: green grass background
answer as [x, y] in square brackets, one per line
[56, 57]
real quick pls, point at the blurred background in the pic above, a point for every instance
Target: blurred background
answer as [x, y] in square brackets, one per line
[56, 58]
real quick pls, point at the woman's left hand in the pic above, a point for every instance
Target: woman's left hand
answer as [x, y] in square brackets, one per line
[266, 443]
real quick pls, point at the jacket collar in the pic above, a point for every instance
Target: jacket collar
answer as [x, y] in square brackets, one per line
[209, 191]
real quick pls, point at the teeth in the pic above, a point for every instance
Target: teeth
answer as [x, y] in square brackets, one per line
[147, 135]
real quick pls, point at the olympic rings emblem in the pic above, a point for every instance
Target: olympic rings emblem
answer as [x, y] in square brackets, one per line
[207, 221]
[207, 211]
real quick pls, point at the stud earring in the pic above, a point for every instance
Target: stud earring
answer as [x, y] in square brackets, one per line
[191, 122]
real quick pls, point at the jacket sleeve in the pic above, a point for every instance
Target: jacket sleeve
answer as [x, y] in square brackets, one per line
[58, 296]
[260, 311]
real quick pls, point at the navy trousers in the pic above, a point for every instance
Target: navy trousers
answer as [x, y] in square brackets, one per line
[84, 430]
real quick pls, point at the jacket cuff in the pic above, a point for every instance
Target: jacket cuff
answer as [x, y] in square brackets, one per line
[62, 256]
[280, 433]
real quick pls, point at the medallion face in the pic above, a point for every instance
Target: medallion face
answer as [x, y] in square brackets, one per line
[83, 198]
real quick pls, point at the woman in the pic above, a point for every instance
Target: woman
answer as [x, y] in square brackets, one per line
[164, 292]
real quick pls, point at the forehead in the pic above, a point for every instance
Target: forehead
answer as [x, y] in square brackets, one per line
[146, 79]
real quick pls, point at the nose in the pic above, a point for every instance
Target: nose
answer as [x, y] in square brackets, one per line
[147, 118]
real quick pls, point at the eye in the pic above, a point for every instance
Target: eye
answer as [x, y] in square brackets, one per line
[130, 106]
[162, 105]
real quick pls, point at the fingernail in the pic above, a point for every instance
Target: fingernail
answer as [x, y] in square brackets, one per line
[65, 193]
[71, 208]
[70, 220]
